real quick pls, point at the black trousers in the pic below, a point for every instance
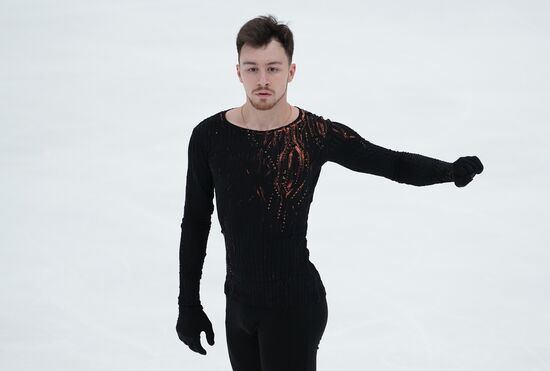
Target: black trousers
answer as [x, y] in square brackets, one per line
[274, 339]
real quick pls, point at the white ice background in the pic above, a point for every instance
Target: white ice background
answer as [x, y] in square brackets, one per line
[97, 102]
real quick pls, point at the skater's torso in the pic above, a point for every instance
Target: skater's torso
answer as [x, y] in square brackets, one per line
[264, 182]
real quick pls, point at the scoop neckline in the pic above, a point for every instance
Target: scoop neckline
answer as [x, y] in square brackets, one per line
[292, 123]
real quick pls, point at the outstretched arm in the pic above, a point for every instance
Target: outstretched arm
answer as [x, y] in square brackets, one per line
[346, 147]
[196, 222]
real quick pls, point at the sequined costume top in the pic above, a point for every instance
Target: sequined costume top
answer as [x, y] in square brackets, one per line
[264, 181]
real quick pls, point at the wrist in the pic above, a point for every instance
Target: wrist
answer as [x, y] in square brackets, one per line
[190, 308]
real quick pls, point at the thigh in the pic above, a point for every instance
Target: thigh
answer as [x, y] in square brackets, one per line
[289, 338]
[242, 338]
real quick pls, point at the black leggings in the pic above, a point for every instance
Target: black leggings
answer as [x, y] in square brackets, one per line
[264, 339]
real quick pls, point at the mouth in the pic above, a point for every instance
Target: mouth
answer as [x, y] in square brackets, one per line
[263, 94]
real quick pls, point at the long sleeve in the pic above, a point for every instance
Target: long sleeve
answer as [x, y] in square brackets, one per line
[346, 147]
[196, 222]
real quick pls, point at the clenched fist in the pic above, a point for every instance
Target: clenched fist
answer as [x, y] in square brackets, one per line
[465, 168]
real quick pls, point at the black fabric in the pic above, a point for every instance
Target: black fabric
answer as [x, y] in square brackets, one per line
[274, 339]
[192, 320]
[465, 168]
[264, 183]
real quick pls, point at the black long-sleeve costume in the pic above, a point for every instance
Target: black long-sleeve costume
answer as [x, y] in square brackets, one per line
[264, 182]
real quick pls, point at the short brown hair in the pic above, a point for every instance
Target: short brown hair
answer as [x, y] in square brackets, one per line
[259, 31]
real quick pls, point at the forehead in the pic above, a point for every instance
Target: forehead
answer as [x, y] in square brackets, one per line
[272, 53]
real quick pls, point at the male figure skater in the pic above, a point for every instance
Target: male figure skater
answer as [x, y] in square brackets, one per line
[263, 160]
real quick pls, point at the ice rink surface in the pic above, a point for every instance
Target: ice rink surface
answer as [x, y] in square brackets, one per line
[99, 99]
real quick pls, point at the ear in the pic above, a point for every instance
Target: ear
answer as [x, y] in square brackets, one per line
[291, 72]
[239, 72]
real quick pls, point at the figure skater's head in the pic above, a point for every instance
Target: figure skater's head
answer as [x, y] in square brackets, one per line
[265, 65]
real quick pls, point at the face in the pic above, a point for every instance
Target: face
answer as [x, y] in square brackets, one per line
[265, 70]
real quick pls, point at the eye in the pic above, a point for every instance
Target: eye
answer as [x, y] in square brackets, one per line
[274, 69]
[252, 68]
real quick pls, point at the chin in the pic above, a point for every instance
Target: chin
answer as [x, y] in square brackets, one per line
[262, 105]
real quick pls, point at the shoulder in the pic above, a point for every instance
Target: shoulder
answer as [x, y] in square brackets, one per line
[335, 127]
[203, 133]
[311, 115]
[317, 123]
[209, 121]
[207, 126]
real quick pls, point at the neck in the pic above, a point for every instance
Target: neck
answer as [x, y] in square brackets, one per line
[274, 117]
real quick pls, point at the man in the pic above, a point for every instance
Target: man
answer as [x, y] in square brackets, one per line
[264, 159]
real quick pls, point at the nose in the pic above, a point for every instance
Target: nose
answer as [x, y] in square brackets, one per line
[263, 80]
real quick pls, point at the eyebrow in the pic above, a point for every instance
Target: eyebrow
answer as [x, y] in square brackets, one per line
[254, 63]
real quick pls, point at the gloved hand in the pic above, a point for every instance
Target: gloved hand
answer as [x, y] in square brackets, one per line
[465, 168]
[191, 322]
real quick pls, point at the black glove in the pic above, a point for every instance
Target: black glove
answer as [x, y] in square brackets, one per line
[465, 168]
[191, 322]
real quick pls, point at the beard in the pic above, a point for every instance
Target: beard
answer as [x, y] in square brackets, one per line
[265, 105]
